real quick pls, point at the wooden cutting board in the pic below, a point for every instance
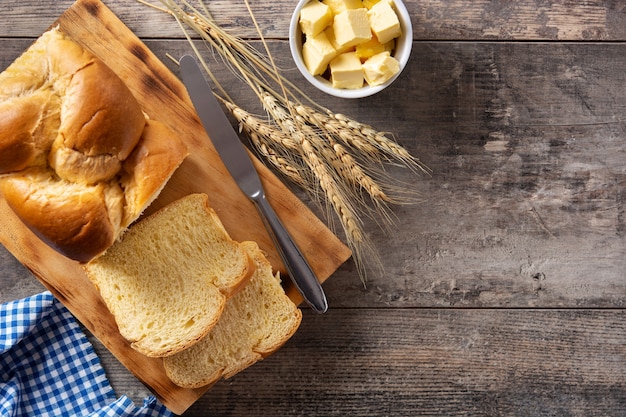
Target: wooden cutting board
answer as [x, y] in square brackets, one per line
[164, 98]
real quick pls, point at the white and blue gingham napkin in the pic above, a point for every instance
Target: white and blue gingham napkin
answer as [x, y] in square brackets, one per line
[49, 368]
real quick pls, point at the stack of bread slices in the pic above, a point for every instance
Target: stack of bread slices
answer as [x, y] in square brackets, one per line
[180, 288]
[79, 164]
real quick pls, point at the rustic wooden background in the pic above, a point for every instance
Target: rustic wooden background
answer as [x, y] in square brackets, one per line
[504, 292]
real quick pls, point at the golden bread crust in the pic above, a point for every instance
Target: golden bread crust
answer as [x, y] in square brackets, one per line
[26, 128]
[68, 124]
[148, 167]
[97, 120]
[51, 215]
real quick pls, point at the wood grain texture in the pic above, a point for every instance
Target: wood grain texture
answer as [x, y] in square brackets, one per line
[163, 97]
[431, 362]
[438, 362]
[525, 204]
[503, 294]
[562, 20]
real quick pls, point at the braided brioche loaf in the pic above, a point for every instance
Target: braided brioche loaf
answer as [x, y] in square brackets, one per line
[79, 160]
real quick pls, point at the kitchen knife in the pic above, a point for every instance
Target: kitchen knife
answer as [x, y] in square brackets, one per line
[239, 164]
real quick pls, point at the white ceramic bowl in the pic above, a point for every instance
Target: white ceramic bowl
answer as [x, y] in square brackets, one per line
[401, 53]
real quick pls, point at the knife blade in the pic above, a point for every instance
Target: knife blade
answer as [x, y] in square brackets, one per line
[239, 165]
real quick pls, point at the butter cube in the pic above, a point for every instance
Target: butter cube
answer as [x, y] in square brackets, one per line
[369, 3]
[346, 71]
[338, 6]
[352, 27]
[384, 22]
[317, 53]
[380, 68]
[314, 17]
[373, 47]
[330, 34]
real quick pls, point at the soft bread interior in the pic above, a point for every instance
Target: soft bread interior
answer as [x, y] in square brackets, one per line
[167, 280]
[255, 323]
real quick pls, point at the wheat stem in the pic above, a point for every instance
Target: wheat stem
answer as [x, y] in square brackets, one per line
[335, 158]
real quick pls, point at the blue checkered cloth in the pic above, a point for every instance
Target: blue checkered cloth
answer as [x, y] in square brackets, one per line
[49, 368]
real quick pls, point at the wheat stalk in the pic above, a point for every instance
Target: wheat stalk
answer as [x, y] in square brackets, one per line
[325, 168]
[264, 138]
[336, 159]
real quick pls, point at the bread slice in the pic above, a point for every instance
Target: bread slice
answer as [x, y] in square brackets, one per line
[167, 280]
[255, 323]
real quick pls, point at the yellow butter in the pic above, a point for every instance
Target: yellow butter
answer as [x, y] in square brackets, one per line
[351, 27]
[317, 52]
[346, 71]
[369, 3]
[384, 22]
[330, 34]
[372, 47]
[380, 68]
[315, 17]
[338, 6]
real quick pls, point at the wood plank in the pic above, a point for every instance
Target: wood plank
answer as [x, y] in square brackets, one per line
[526, 142]
[519, 20]
[431, 362]
[525, 205]
[437, 363]
[16, 281]
[562, 20]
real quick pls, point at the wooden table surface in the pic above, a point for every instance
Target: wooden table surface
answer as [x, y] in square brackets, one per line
[503, 294]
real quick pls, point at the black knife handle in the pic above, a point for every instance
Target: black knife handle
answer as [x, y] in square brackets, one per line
[299, 270]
